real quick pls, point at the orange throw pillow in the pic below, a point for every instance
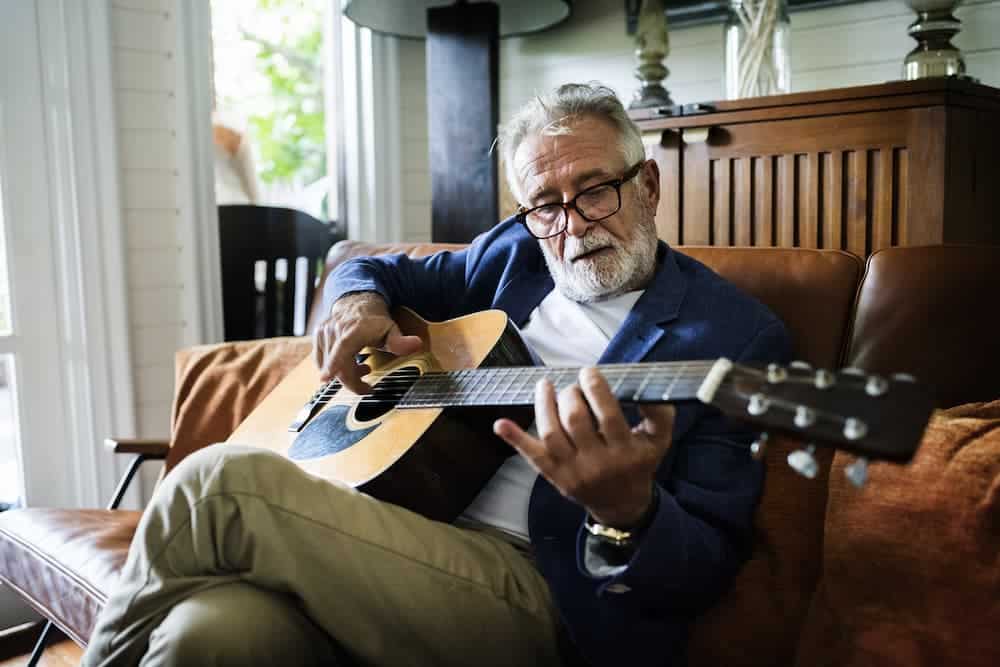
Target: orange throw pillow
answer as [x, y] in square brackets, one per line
[911, 562]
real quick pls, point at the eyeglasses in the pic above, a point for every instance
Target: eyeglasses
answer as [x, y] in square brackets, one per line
[593, 204]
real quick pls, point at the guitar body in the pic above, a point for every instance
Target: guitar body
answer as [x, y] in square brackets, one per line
[430, 460]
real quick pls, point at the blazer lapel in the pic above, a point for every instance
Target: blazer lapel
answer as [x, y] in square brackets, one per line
[658, 305]
[519, 297]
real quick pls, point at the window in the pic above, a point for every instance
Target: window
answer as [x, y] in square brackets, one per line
[270, 119]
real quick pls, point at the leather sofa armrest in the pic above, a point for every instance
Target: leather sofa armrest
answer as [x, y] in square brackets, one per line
[152, 449]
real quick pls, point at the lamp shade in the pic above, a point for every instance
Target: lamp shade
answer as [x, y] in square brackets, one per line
[408, 18]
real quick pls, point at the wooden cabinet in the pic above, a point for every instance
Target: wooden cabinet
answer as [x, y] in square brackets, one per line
[903, 163]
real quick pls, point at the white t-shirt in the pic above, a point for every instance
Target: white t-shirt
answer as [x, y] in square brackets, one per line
[562, 333]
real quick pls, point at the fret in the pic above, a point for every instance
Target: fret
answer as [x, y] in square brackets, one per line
[511, 374]
[522, 380]
[642, 387]
[667, 393]
[625, 387]
[489, 394]
[556, 377]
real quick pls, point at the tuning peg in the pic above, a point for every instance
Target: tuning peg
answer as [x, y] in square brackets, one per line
[759, 447]
[758, 404]
[776, 373]
[857, 472]
[854, 428]
[801, 365]
[903, 377]
[876, 385]
[824, 379]
[852, 370]
[804, 462]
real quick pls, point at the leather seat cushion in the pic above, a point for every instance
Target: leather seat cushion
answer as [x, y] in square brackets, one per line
[64, 562]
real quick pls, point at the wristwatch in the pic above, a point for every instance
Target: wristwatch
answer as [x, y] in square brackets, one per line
[623, 537]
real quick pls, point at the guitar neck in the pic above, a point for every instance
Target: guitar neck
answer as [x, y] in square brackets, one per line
[661, 382]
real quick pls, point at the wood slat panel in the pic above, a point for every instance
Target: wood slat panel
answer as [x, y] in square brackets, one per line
[720, 173]
[697, 192]
[883, 222]
[901, 162]
[743, 196]
[856, 163]
[786, 202]
[833, 209]
[810, 192]
[763, 229]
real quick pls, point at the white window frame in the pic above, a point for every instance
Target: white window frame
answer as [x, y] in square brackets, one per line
[66, 251]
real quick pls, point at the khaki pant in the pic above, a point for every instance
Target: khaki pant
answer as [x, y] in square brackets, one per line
[242, 558]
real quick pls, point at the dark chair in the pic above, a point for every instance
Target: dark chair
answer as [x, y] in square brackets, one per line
[260, 248]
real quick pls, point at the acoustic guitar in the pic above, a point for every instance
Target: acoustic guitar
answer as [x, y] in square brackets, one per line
[423, 438]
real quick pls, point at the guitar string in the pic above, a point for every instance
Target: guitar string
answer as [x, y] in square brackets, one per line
[685, 388]
[478, 384]
[505, 373]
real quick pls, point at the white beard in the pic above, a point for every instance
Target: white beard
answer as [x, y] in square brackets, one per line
[607, 275]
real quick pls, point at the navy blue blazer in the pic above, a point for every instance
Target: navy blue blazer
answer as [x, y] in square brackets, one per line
[709, 484]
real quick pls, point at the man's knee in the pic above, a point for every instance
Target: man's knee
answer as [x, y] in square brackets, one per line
[237, 624]
[215, 462]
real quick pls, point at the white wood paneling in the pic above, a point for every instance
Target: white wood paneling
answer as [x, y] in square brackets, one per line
[149, 229]
[159, 267]
[156, 307]
[850, 45]
[151, 341]
[156, 384]
[144, 34]
[146, 110]
[143, 30]
[140, 71]
[149, 149]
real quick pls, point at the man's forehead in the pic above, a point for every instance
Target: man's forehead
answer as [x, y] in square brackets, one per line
[541, 158]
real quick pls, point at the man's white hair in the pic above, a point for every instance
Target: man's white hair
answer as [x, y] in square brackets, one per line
[554, 114]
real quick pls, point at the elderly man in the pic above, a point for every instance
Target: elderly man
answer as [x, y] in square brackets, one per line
[597, 541]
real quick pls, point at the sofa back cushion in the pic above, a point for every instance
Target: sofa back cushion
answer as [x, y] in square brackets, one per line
[931, 312]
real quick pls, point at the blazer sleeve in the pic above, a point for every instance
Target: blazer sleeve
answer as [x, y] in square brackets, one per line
[709, 488]
[440, 286]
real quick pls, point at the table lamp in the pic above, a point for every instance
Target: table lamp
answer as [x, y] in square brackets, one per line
[462, 94]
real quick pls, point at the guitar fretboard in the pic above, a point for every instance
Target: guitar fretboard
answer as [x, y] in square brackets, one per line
[638, 383]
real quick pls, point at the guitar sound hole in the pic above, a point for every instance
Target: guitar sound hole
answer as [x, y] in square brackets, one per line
[387, 393]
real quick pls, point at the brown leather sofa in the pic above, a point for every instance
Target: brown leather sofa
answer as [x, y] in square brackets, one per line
[904, 571]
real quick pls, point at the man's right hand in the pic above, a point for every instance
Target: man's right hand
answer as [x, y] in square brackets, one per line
[357, 321]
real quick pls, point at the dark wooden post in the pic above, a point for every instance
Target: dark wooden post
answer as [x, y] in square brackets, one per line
[462, 112]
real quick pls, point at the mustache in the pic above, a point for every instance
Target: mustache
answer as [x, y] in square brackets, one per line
[576, 246]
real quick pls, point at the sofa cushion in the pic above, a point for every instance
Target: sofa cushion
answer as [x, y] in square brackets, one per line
[64, 562]
[925, 311]
[812, 291]
[911, 562]
[218, 385]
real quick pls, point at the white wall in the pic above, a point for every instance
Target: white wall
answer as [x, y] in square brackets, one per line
[144, 33]
[834, 47]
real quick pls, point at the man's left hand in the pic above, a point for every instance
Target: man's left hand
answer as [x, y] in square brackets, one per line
[586, 449]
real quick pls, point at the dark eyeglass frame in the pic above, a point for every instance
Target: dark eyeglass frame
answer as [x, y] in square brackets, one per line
[521, 214]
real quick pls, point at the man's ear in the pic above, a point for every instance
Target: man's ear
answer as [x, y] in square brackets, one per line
[650, 178]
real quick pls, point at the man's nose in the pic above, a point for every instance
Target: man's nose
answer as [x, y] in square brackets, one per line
[576, 224]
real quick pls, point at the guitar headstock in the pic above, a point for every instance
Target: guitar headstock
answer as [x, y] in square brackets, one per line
[872, 416]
